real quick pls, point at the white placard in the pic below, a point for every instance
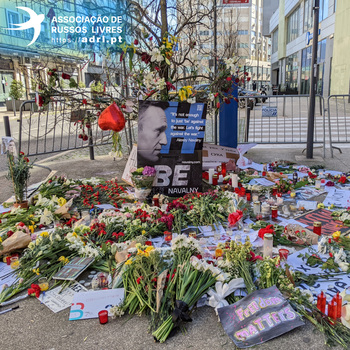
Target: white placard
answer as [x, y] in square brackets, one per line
[308, 205]
[268, 111]
[261, 181]
[340, 198]
[215, 154]
[6, 275]
[89, 304]
[57, 301]
[131, 165]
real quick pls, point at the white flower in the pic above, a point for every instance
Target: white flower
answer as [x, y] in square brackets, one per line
[156, 55]
[344, 266]
[160, 84]
[191, 100]
[46, 218]
[308, 294]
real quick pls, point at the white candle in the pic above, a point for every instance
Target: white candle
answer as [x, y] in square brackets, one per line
[211, 173]
[234, 180]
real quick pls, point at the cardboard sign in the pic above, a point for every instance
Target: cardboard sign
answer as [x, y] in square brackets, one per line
[170, 138]
[89, 304]
[77, 115]
[131, 165]
[214, 155]
[57, 299]
[325, 217]
[339, 198]
[258, 317]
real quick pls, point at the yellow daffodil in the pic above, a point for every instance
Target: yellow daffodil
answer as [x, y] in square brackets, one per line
[74, 234]
[320, 205]
[31, 228]
[37, 271]
[63, 259]
[336, 235]
[61, 201]
[31, 215]
[44, 234]
[143, 232]
[128, 262]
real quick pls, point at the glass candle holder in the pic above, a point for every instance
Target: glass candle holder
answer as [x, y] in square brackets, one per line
[268, 245]
[317, 228]
[274, 212]
[43, 284]
[103, 316]
[283, 253]
[332, 309]
[8, 260]
[215, 180]
[168, 236]
[223, 169]
[248, 196]
[14, 262]
[274, 190]
[339, 300]
[156, 202]
[321, 302]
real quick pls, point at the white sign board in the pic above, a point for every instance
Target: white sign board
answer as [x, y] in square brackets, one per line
[268, 111]
[89, 304]
[57, 300]
[218, 154]
[130, 166]
[6, 275]
[237, 3]
[339, 198]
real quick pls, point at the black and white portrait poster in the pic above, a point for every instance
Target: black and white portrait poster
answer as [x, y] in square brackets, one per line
[170, 138]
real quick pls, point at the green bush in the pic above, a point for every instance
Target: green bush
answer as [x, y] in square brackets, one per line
[16, 90]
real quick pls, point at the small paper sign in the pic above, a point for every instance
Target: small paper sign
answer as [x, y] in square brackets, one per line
[259, 317]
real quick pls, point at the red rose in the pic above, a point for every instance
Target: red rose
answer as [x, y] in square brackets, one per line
[65, 76]
[216, 95]
[233, 218]
[237, 80]
[218, 105]
[170, 86]
[228, 78]
[227, 100]
[254, 257]
[149, 243]
[267, 229]
[10, 233]
[84, 102]
[136, 42]
[85, 137]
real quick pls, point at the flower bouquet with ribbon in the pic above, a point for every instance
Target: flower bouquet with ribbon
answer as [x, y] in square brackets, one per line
[143, 180]
[191, 280]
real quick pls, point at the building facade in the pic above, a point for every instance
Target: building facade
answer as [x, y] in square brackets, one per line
[58, 46]
[291, 29]
[239, 34]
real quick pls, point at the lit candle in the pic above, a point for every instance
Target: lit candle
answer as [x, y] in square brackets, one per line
[317, 228]
[103, 316]
[274, 212]
[321, 302]
[268, 244]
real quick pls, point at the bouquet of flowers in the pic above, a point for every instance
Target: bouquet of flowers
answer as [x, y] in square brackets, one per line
[143, 177]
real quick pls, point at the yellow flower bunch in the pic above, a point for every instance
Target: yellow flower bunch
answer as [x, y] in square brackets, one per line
[44, 234]
[185, 92]
[145, 252]
[61, 201]
[37, 271]
[31, 228]
[128, 262]
[336, 235]
[63, 259]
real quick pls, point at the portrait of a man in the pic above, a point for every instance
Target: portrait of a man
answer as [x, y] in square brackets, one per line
[151, 132]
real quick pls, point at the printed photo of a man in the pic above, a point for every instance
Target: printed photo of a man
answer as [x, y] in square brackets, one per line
[152, 125]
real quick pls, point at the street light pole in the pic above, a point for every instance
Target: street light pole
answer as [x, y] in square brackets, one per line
[313, 82]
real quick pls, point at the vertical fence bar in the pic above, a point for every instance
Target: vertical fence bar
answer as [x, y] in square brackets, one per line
[7, 126]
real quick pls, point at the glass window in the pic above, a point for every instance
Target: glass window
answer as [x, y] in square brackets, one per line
[204, 32]
[305, 70]
[43, 34]
[292, 72]
[67, 5]
[242, 45]
[243, 32]
[275, 41]
[28, 33]
[293, 26]
[308, 15]
[323, 10]
[13, 18]
[253, 33]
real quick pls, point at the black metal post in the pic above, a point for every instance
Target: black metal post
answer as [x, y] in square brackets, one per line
[313, 83]
[245, 69]
[91, 145]
[215, 66]
[127, 95]
[247, 126]
[7, 126]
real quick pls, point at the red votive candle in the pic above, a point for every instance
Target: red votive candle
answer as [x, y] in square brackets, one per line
[274, 191]
[168, 236]
[332, 309]
[8, 260]
[321, 302]
[283, 254]
[223, 169]
[156, 202]
[103, 316]
[274, 212]
[317, 228]
[339, 300]
[248, 196]
[215, 180]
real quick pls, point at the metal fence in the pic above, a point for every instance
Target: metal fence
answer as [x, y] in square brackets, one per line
[279, 119]
[57, 128]
[338, 110]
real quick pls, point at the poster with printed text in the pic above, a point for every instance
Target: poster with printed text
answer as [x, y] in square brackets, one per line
[170, 138]
[258, 317]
